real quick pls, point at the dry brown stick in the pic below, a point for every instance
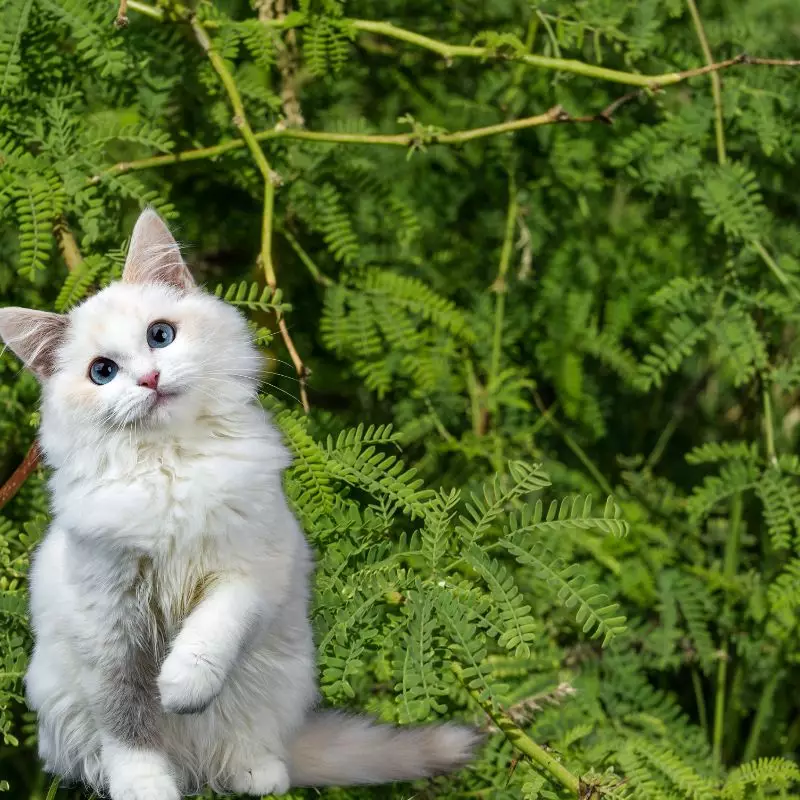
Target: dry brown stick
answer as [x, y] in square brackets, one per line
[67, 245]
[122, 15]
[20, 475]
[287, 59]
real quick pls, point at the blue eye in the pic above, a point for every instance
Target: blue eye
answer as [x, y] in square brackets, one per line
[103, 370]
[160, 334]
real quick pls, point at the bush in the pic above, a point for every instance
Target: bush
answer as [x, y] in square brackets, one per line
[490, 245]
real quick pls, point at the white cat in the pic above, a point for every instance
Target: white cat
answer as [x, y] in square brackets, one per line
[169, 597]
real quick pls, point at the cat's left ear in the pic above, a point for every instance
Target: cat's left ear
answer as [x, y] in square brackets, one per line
[34, 336]
[154, 256]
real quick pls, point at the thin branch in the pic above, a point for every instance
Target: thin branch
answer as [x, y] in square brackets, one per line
[775, 268]
[521, 741]
[270, 180]
[549, 117]
[769, 431]
[315, 271]
[591, 467]
[67, 245]
[452, 51]
[500, 286]
[73, 259]
[552, 116]
[20, 475]
[122, 15]
[146, 10]
[287, 59]
[716, 83]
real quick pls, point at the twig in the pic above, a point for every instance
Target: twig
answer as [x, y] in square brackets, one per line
[287, 60]
[270, 180]
[520, 740]
[67, 245]
[500, 287]
[731, 559]
[122, 15]
[522, 712]
[452, 51]
[769, 431]
[553, 115]
[700, 700]
[775, 268]
[716, 83]
[684, 403]
[73, 259]
[762, 714]
[315, 271]
[20, 475]
[573, 445]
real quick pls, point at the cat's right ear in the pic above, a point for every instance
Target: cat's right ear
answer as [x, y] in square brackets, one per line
[154, 256]
[34, 336]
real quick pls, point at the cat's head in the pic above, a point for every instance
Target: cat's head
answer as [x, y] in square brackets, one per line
[149, 351]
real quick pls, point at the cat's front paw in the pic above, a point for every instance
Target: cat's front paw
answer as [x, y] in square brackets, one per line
[189, 682]
[268, 776]
[150, 787]
[139, 775]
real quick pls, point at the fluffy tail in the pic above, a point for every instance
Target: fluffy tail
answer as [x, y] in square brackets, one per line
[336, 749]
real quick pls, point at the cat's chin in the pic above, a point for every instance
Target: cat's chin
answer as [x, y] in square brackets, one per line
[160, 409]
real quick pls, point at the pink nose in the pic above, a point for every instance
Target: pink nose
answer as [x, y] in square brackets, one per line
[150, 380]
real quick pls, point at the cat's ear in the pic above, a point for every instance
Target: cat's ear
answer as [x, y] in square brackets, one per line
[154, 256]
[34, 336]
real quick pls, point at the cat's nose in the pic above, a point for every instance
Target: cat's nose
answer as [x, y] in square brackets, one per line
[150, 380]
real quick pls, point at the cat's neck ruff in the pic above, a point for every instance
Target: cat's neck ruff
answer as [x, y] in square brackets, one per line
[243, 433]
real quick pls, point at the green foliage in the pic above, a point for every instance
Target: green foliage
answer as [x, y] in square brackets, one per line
[498, 333]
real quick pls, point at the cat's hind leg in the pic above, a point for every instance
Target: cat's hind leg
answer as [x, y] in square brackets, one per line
[265, 705]
[68, 739]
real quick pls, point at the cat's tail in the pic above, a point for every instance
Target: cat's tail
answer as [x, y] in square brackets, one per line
[337, 749]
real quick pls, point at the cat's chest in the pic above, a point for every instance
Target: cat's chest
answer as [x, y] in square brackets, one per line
[184, 501]
[170, 586]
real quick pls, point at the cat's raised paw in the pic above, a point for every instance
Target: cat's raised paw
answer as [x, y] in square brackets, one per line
[188, 683]
[269, 776]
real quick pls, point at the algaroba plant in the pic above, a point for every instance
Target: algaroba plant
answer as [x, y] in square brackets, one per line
[452, 599]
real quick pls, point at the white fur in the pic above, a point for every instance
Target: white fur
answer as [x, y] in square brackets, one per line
[170, 521]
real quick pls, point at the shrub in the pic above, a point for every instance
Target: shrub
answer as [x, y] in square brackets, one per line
[489, 246]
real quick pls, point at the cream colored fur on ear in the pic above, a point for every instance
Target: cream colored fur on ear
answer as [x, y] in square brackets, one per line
[154, 256]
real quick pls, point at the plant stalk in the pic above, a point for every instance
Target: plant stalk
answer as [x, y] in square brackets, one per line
[716, 83]
[500, 286]
[521, 741]
[730, 565]
[270, 179]
[762, 712]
